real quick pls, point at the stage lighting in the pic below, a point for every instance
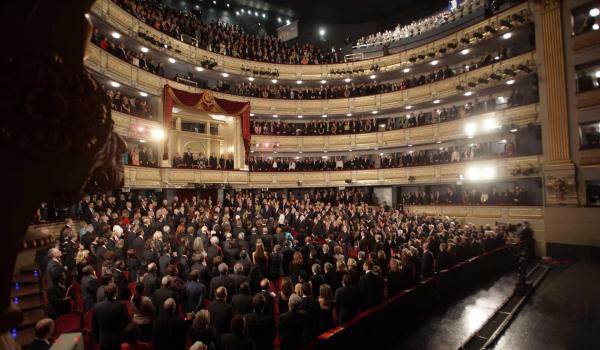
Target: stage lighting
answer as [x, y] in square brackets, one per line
[157, 134]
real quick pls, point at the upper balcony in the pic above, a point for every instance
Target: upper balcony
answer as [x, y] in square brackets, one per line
[473, 80]
[456, 41]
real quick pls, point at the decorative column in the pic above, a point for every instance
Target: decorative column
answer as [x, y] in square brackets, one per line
[559, 170]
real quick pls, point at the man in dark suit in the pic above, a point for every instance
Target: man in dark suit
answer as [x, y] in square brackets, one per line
[316, 280]
[311, 307]
[223, 280]
[163, 293]
[371, 286]
[292, 325]
[109, 319]
[169, 331]
[260, 326]
[426, 262]
[54, 268]
[237, 340]
[241, 303]
[194, 293]
[220, 312]
[150, 280]
[89, 287]
[347, 300]
[44, 329]
[238, 277]
[445, 260]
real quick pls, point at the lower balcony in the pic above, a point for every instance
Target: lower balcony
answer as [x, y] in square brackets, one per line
[142, 177]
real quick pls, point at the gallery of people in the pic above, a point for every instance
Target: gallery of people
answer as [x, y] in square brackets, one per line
[286, 175]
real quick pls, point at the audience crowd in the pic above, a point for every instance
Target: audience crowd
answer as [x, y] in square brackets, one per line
[420, 26]
[442, 155]
[455, 195]
[249, 272]
[200, 161]
[225, 39]
[140, 156]
[135, 106]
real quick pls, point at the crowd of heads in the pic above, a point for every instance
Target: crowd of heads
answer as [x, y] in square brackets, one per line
[420, 26]
[437, 156]
[469, 195]
[135, 106]
[199, 160]
[249, 268]
[226, 39]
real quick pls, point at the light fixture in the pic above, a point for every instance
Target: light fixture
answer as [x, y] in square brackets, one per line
[252, 114]
[299, 116]
[114, 84]
[325, 151]
[502, 141]
[144, 49]
[274, 81]
[116, 35]
[157, 134]
[434, 62]
[251, 78]
[410, 145]
[597, 74]
[256, 13]
[225, 74]
[324, 116]
[594, 12]
[514, 129]
[595, 26]
[489, 173]
[468, 93]
[408, 115]
[372, 76]
[438, 141]
[251, 151]
[321, 31]
[374, 112]
[165, 46]
[510, 82]
[349, 150]
[506, 36]
[382, 125]
[275, 152]
[142, 141]
[497, 58]
[143, 94]
[172, 60]
[237, 13]
[406, 70]
[266, 144]
[87, 15]
[490, 124]
[436, 101]
[323, 81]
[465, 51]
[298, 82]
[264, 15]
[140, 128]
[214, 2]
[227, 4]
[287, 21]
[408, 107]
[470, 129]
[275, 116]
[348, 114]
[473, 173]
[243, 11]
[199, 69]
[347, 80]
[278, 19]
[381, 154]
[300, 152]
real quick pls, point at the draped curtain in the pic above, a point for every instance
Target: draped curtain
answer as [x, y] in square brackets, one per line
[205, 101]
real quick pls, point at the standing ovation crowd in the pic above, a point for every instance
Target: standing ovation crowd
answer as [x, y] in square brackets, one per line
[246, 273]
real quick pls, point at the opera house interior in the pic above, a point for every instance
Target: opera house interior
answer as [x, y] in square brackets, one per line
[281, 175]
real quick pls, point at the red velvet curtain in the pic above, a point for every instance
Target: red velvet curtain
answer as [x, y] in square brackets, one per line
[205, 101]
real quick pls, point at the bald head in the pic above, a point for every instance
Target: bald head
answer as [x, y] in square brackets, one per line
[169, 305]
[44, 328]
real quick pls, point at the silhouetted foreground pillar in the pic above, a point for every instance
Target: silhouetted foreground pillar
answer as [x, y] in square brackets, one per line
[56, 131]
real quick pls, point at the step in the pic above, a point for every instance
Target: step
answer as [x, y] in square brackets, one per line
[24, 291]
[31, 303]
[31, 318]
[29, 269]
[25, 279]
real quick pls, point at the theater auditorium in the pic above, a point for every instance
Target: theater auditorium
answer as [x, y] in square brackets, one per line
[283, 175]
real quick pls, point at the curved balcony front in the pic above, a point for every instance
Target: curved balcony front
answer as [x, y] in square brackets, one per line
[113, 67]
[126, 23]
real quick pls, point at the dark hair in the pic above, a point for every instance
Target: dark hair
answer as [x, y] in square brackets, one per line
[237, 324]
[110, 291]
[258, 303]
[306, 289]
[132, 333]
[245, 288]
[194, 274]
[137, 297]
[346, 279]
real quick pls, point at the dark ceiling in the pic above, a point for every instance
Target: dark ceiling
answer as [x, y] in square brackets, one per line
[347, 11]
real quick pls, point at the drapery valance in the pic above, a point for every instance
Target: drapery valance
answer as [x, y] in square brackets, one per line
[207, 102]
